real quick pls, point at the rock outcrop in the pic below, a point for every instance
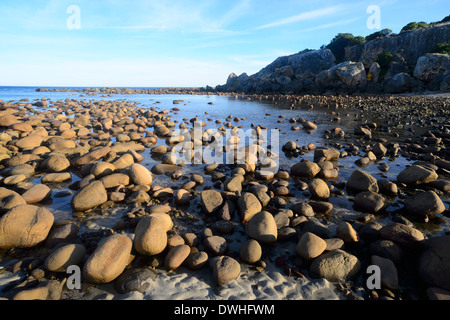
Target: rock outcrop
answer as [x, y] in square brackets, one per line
[291, 73]
[411, 44]
[413, 69]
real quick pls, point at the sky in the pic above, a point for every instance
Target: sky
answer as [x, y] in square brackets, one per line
[177, 43]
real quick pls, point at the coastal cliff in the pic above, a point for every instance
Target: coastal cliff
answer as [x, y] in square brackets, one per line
[412, 68]
[410, 45]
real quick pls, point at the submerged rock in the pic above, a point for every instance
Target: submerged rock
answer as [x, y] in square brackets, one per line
[362, 181]
[422, 203]
[416, 174]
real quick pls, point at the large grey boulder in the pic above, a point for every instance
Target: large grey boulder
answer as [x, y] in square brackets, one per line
[348, 74]
[351, 74]
[445, 82]
[401, 82]
[430, 65]
[374, 72]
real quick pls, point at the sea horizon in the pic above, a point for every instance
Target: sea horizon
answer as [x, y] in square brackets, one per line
[99, 87]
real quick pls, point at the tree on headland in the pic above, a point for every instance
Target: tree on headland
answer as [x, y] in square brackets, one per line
[422, 24]
[384, 59]
[341, 41]
[379, 34]
[414, 25]
[442, 48]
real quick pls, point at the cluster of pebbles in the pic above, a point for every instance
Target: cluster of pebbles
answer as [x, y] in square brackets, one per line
[96, 149]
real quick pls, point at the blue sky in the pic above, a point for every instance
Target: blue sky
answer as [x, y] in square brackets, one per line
[180, 43]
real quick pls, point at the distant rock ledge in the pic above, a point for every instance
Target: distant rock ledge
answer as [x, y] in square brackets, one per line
[111, 91]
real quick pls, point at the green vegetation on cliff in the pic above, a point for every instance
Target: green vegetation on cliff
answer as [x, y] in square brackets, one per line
[342, 40]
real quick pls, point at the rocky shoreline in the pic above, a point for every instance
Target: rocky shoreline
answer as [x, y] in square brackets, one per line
[95, 148]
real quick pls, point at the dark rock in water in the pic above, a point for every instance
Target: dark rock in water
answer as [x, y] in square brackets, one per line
[363, 131]
[442, 185]
[305, 169]
[370, 232]
[329, 154]
[321, 206]
[417, 174]
[227, 210]
[401, 234]
[211, 200]
[319, 229]
[434, 263]
[370, 201]
[434, 293]
[91, 156]
[422, 203]
[223, 226]
[319, 189]
[302, 208]
[65, 233]
[289, 146]
[387, 249]
[388, 272]
[281, 220]
[362, 181]
[401, 219]
[134, 280]
[162, 168]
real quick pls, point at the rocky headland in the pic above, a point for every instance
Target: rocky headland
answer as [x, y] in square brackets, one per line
[411, 68]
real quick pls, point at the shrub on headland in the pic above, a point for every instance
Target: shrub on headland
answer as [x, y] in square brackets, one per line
[340, 42]
[443, 48]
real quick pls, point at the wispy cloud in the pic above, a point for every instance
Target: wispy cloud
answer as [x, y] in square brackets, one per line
[330, 25]
[133, 27]
[303, 16]
[240, 9]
